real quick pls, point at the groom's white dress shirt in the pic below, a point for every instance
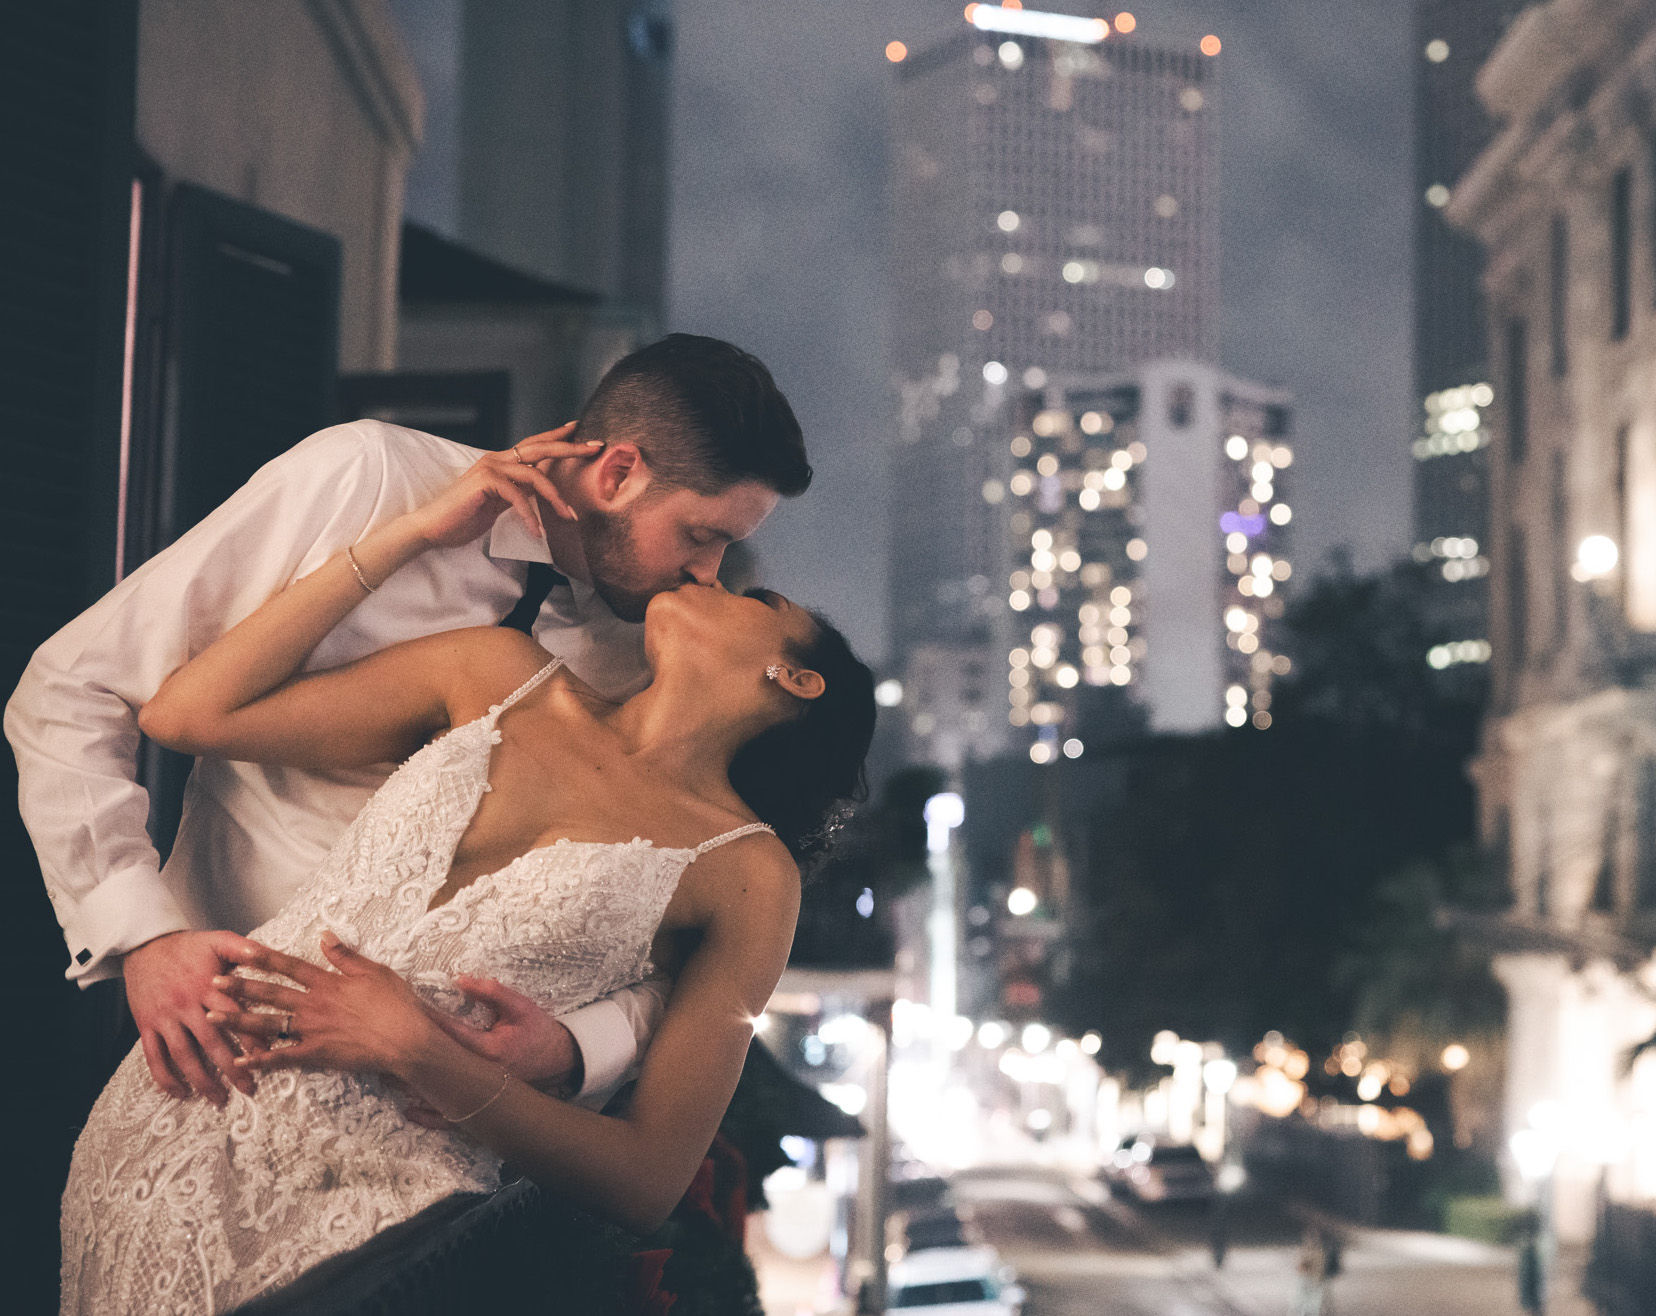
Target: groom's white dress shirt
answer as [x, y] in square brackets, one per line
[252, 835]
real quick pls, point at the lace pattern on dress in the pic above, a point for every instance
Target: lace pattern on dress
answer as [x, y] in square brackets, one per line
[176, 1207]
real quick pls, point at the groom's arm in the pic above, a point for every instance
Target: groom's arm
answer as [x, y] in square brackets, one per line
[73, 726]
[73, 719]
[612, 1035]
[585, 1056]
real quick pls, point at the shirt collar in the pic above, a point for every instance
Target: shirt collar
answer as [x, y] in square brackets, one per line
[511, 541]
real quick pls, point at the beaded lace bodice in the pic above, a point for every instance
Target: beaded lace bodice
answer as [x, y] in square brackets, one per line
[178, 1207]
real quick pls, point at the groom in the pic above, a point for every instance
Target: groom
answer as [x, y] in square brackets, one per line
[685, 446]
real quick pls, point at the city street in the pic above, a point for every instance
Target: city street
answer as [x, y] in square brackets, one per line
[1079, 1252]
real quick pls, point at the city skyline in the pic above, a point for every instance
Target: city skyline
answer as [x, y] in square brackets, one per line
[778, 193]
[1052, 216]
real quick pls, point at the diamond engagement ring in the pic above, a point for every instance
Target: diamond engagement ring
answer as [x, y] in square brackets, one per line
[284, 1033]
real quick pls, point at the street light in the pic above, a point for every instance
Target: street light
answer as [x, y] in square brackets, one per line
[1596, 556]
[943, 813]
[1535, 1152]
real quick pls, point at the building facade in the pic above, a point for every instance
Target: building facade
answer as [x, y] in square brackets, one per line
[1453, 38]
[1054, 212]
[574, 190]
[1148, 539]
[1564, 202]
[213, 76]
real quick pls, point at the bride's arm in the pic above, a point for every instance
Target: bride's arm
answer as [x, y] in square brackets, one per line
[238, 698]
[633, 1168]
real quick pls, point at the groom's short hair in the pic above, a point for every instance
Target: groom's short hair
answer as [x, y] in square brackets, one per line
[705, 414]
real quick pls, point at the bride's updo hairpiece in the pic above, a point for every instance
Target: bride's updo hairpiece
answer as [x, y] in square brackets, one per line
[802, 777]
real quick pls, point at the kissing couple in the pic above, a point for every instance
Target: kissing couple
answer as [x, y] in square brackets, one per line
[502, 797]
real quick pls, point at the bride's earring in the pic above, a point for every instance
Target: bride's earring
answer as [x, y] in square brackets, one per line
[774, 671]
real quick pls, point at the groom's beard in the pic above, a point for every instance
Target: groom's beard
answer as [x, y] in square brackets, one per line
[612, 559]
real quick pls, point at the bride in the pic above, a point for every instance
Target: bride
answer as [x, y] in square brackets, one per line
[536, 834]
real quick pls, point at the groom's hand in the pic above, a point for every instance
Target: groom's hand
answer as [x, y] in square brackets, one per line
[524, 1039]
[169, 989]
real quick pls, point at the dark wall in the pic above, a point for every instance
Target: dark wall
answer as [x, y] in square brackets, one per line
[66, 103]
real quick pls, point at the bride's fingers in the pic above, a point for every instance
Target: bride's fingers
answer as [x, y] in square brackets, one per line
[252, 1023]
[512, 494]
[285, 1057]
[266, 993]
[558, 434]
[255, 956]
[348, 960]
[533, 477]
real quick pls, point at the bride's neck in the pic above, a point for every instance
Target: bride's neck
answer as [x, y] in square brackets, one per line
[682, 724]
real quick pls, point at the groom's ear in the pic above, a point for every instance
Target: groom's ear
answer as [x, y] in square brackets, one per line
[619, 475]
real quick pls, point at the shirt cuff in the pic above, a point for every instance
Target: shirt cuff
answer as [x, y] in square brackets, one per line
[120, 914]
[608, 1048]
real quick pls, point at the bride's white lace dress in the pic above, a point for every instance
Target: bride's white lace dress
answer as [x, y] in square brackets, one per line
[178, 1207]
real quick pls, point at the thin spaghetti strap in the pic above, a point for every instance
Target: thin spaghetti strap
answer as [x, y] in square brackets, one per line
[734, 834]
[495, 710]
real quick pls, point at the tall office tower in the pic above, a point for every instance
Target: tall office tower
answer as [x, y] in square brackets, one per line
[1054, 212]
[563, 142]
[1451, 356]
[1150, 538]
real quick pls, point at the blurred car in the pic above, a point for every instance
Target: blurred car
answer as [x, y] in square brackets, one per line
[917, 1189]
[956, 1281]
[935, 1227]
[1155, 1171]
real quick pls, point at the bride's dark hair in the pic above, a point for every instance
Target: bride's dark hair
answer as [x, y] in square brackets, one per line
[802, 776]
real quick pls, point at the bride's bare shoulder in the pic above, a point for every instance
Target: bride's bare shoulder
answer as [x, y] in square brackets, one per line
[485, 663]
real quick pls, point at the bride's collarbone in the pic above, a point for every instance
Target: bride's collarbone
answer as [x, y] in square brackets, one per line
[533, 804]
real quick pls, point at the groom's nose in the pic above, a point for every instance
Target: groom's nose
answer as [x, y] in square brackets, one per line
[704, 567]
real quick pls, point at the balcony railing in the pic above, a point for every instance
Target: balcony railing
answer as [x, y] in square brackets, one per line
[514, 1250]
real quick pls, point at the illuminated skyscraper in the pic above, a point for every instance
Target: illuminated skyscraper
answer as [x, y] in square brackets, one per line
[1451, 354]
[1148, 538]
[1054, 214]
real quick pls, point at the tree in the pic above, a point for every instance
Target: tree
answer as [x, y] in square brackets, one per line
[1230, 881]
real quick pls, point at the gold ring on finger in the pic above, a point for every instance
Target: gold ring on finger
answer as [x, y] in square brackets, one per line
[518, 455]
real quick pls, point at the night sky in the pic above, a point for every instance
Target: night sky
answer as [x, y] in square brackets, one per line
[778, 242]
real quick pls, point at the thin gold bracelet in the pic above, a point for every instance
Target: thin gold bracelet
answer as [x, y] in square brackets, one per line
[361, 579]
[505, 1078]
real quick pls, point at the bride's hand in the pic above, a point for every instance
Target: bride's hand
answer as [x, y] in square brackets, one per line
[498, 481]
[523, 1040]
[362, 1018]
